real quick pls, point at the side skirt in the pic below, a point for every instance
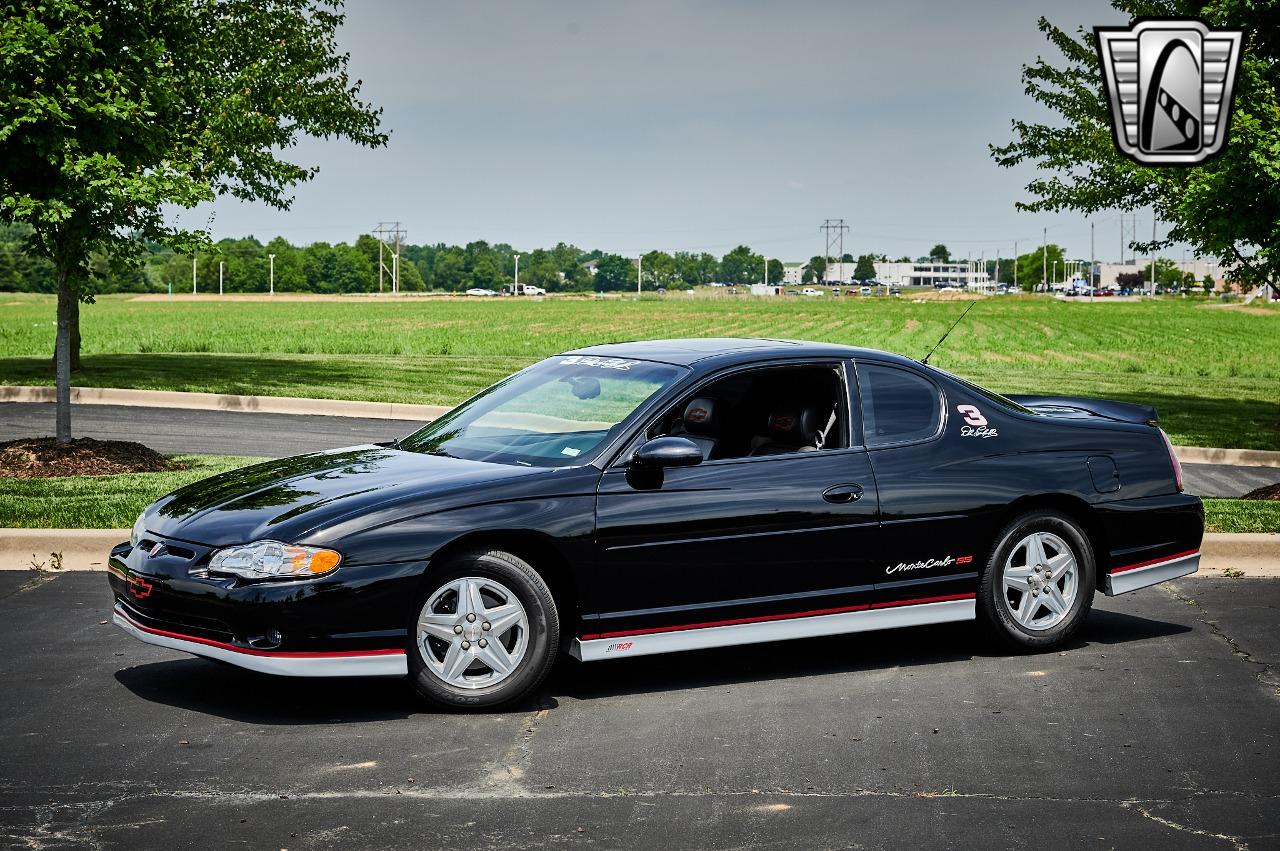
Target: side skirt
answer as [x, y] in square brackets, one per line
[1122, 580]
[698, 638]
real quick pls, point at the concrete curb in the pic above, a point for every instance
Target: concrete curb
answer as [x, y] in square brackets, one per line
[1256, 554]
[423, 413]
[229, 402]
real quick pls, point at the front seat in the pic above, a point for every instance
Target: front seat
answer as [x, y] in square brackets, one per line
[788, 430]
[698, 423]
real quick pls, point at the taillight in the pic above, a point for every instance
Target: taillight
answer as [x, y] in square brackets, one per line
[1173, 459]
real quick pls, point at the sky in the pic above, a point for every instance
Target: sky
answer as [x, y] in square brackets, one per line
[693, 126]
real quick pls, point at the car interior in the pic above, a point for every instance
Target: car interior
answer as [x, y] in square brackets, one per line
[759, 412]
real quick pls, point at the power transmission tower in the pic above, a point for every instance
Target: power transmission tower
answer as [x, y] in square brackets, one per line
[835, 229]
[391, 235]
[1128, 234]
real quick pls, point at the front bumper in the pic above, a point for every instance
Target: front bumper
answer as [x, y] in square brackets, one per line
[349, 663]
[349, 623]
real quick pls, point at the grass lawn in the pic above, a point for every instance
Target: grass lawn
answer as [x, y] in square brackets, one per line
[100, 502]
[1212, 371]
[114, 502]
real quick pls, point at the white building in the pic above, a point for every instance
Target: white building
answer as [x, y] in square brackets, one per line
[931, 274]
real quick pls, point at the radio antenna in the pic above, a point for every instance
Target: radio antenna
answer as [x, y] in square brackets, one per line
[949, 330]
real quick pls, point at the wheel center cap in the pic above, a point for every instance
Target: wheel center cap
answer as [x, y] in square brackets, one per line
[471, 631]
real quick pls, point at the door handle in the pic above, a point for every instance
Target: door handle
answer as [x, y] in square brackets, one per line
[842, 493]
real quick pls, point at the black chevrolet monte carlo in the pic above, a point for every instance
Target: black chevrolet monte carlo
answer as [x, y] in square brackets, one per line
[654, 497]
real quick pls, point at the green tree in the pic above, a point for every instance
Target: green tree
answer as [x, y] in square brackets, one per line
[1207, 284]
[660, 269]
[741, 266]
[111, 113]
[815, 270]
[614, 273]
[940, 254]
[866, 268]
[1202, 204]
[776, 272]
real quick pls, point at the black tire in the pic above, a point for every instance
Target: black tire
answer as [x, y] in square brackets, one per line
[543, 639]
[994, 599]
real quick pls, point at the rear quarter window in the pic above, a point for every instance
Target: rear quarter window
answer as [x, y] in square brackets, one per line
[898, 406]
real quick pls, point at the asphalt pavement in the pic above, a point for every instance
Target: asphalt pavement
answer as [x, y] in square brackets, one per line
[277, 435]
[1158, 728]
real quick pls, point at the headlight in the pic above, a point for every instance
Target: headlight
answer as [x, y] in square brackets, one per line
[135, 534]
[274, 560]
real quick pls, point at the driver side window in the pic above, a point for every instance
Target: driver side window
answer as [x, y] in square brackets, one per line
[760, 412]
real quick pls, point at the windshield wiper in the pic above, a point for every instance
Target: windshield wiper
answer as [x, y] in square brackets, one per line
[442, 454]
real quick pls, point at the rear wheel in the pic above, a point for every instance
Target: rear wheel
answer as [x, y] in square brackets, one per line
[1037, 589]
[485, 632]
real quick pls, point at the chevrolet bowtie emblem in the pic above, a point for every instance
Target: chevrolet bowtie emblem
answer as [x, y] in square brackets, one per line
[1169, 84]
[140, 588]
[156, 549]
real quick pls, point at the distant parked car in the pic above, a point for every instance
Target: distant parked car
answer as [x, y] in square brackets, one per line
[793, 292]
[811, 291]
[864, 291]
[480, 291]
[895, 291]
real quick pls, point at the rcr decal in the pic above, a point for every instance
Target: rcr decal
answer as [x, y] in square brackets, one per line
[619, 647]
[602, 363]
[975, 423]
[945, 561]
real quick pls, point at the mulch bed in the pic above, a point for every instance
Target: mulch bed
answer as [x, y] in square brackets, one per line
[42, 457]
[1264, 492]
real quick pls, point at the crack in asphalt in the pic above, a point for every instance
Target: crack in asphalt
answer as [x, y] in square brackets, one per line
[1236, 842]
[43, 834]
[1263, 675]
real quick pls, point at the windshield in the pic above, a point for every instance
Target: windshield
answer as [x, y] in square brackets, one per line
[556, 413]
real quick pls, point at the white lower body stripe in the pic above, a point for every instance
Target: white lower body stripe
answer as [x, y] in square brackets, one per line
[1151, 574]
[778, 630]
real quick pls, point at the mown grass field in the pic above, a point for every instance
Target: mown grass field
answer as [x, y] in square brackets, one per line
[113, 502]
[1213, 371]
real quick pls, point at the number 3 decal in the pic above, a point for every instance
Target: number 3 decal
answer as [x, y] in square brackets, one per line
[972, 415]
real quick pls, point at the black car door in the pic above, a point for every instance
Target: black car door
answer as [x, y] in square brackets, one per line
[932, 538]
[737, 538]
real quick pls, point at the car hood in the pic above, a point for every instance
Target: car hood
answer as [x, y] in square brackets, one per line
[287, 498]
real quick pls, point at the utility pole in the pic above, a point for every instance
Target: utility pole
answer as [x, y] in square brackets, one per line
[515, 287]
[835, 229]
[639, 272]
[1153, 252]
[391, 235]
[1093, 264]
[1044, 258]
[1015, 264]
[219, 277]
[193, 274]
[272, 278]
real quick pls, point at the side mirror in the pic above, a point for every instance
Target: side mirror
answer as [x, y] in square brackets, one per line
[662, 452]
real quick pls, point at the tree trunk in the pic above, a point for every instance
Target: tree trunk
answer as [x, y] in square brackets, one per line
[68, 309]
[75, 336]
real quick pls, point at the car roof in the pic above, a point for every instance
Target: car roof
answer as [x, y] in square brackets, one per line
[719, 351]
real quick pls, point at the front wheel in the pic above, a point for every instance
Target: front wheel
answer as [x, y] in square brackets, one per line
[1037, 588]
[484, 634]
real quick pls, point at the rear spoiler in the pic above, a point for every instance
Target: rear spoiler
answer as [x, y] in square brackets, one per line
[1078, 406]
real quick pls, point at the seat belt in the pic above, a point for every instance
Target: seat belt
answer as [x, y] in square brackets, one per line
[822, 435]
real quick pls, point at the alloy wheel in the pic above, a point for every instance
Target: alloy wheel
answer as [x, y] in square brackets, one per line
[473, 632]
[1041, 579]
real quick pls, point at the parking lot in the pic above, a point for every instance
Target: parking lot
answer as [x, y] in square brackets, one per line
[1158, 728]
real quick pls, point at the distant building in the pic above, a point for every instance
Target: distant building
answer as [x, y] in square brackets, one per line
[932, 274]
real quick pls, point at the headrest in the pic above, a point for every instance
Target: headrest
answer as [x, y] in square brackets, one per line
[699, 416]
[798, 428]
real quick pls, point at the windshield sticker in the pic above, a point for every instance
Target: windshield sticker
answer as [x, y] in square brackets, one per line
[571, 451]
[602, 363]
[976, 423]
